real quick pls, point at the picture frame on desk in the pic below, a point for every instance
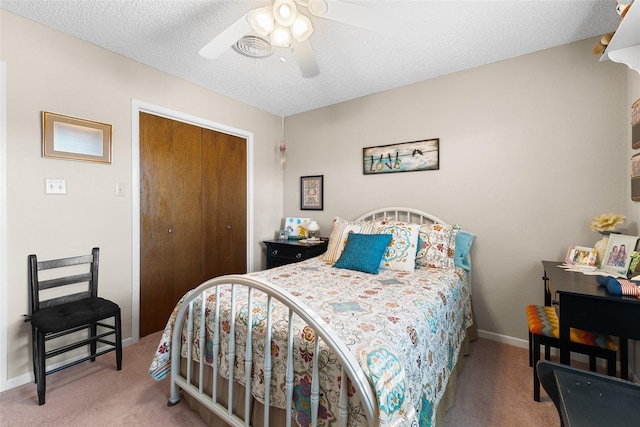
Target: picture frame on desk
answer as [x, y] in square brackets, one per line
[581, 256]
[617, 257]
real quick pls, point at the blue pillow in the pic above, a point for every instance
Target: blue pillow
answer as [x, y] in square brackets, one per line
[464, 239]
[363, 252]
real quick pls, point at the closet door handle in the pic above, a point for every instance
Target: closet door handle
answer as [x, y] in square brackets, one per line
[170, 231]
[228, 227]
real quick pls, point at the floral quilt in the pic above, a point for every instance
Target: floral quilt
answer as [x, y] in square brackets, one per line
[404, 328]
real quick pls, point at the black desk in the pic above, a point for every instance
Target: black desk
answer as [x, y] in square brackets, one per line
[587, 399]
[585, 305]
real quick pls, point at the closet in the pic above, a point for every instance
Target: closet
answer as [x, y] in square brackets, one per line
[193, 212]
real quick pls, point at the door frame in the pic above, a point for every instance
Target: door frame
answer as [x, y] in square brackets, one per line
[138, 107]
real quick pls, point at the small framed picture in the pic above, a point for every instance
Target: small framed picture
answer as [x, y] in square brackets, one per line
[581, 256]
[312, 192]
[296, 228]
[617, 257]
[72, 138]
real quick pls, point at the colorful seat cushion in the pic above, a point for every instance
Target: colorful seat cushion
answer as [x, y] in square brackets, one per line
[543, 320]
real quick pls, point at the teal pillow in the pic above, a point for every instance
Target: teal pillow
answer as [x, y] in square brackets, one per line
[464, 239]
[363, 252]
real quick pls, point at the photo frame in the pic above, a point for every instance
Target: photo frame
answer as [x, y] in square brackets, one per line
[617, 257]
[581, 256]
[66, 137]
[312, 192]
[296, 228]
[403, 157]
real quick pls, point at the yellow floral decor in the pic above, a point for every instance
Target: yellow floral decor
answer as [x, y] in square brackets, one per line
[607, 222]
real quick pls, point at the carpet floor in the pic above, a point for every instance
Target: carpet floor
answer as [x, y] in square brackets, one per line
[494, 389]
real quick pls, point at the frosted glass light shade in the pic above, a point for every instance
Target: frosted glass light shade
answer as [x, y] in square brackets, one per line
[261, 20]
[284, 12]
[280, 36]
[301, 28]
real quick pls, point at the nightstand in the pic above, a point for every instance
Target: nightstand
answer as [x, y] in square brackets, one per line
[281, 252]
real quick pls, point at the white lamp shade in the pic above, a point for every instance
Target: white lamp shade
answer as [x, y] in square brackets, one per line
[261, 20]
[313, 226]
[301, 28]
[280, 36]
[284, 12]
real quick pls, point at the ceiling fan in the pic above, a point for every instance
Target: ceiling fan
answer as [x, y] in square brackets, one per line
[289, 28]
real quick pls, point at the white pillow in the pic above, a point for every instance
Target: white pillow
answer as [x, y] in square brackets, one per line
[401, 252]
[436, 246]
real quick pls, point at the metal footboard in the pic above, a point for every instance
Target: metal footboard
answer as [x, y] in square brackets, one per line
[296, 309]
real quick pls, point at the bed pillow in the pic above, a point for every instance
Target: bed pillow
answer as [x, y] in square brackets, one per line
[339, 233]
[401, 251]
[363, 252]
[464, 239]
[436, 246]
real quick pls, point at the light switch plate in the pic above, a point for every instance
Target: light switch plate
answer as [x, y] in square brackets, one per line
[55, 186]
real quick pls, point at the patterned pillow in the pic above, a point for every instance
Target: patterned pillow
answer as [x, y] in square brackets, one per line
[339, 234]
[363, 252]
[401, 251]
[436, 246]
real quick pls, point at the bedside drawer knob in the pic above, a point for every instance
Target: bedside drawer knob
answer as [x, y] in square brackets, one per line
[298, 255]
[274, 252]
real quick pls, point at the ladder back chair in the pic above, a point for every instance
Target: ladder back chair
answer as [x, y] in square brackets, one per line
[69, 309]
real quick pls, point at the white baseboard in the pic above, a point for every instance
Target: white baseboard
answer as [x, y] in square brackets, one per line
[29, 377]
[581, 358]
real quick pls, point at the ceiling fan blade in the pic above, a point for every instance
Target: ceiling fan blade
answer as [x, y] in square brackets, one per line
[306, 59]
[348, 13]
[225, 39]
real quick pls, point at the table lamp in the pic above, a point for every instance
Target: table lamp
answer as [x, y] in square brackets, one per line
[313, 229]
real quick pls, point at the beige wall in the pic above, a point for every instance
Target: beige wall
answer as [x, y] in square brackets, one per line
[47, 70]
[532, 149]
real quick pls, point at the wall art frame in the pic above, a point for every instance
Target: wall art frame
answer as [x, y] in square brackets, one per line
[72, 138]
[635, 177]
[403, 157]
[635, 125]
[312, 192]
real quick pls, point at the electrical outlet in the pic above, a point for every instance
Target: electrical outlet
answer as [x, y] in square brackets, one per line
[55, 186]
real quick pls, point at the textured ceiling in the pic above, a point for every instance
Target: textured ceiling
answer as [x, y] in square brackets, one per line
[428, 39]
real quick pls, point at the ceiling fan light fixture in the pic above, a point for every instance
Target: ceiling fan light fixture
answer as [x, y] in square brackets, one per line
[262, 20]
[301, 28]
[284, 12]
[280, 36]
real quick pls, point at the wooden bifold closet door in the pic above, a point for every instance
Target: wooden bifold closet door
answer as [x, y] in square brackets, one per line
[193, 192]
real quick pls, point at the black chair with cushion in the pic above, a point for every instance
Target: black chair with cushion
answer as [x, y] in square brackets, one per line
[68, 309]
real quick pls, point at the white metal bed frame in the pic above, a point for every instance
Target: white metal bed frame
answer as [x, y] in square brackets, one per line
[350, 366]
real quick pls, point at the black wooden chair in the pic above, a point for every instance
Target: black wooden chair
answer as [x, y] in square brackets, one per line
[67, 310]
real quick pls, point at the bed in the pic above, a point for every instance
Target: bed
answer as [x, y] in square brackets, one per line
[349, 346]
